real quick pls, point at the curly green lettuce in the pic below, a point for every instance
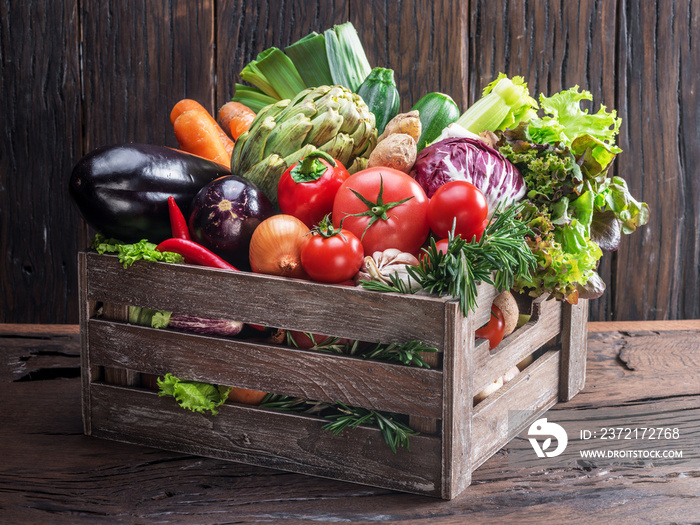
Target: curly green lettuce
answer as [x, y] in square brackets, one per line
[130, 253]
[192, 395]
[550, 171]
[566, 259]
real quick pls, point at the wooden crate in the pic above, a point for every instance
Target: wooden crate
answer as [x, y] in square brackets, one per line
[456, 436]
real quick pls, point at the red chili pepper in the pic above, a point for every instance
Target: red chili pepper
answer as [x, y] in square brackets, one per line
[178, 224]
[494, 330]
[194, 253]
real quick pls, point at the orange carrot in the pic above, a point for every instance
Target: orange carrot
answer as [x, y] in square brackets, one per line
[235, 118]
[186, 104]
[198, 133]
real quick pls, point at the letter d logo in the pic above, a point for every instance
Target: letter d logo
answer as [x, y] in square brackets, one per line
[542, 427]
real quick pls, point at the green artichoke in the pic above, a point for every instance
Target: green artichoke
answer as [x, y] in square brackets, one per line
[328, 118]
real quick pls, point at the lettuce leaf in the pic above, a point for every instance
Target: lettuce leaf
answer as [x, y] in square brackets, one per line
[566, 258]
[614, 195]
[550, 171]
[568, 121]
[192, 395]
[130, 253]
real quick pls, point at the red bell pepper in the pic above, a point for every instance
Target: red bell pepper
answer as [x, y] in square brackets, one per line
[307, 189]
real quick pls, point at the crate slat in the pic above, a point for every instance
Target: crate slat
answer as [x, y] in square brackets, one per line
[281, 370]
[265, 438]
[342, 311]
[574, 336]
[457, 407]
[531, 393]
[544, 326]
[438, 401]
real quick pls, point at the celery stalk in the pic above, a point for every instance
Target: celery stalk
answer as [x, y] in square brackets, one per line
[346, 56]
[280, 72]
[504, 103]
[309, 57]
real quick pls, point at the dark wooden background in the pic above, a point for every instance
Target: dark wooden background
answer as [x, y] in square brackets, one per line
[77, 75]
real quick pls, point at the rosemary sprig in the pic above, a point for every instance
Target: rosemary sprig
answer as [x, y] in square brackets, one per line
[395, 433]
[342, 416]
[406, 353]
[501, 252]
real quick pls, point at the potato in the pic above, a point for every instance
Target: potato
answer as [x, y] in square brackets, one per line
[397, 151]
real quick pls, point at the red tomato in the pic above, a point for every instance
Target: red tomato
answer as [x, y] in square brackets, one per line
[442, 244]
[494, 330]
[307, 189]
[459, 200]
[331, 258]
[393, 210]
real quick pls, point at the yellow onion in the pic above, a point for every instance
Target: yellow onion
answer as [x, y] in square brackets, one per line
[275, 247]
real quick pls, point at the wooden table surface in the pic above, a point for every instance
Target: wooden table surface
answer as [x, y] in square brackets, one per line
[51, 473]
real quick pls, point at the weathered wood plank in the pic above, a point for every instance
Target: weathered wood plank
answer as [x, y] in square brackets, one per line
[574, 334]
[458, 367]
[267, 300]
[545, 324]
[527, 396]
[650, 326]
[277, 369]
[41, 140]
[266, 438]
[657, 50]
[423, 41]
[634, 361]
[87, 480]
[149, 56]
[86, 369]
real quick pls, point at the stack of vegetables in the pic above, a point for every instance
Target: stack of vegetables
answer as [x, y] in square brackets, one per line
[312, 173]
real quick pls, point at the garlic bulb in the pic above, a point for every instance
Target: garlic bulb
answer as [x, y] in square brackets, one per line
[381, 265]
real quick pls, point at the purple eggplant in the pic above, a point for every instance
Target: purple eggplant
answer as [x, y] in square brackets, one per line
[186, 323]
[224, 215]
[122, 191]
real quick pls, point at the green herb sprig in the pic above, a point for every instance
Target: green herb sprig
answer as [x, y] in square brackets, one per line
[340, 416]
[500, 256]
[406, 353]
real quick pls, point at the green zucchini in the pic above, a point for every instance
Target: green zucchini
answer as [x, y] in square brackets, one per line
[381, 96]
[436, 111]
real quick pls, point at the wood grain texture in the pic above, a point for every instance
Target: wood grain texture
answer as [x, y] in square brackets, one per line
[445, 395]
[276, 369]
[458, 368]
[72, 478]
[423, 41]
[41, 140]
[79, 75]
[266, 438]
[545, 324]
[506, 412]
[574, 336]
[349, 312]
[658, 85]
[139, 59]
[244, 29]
